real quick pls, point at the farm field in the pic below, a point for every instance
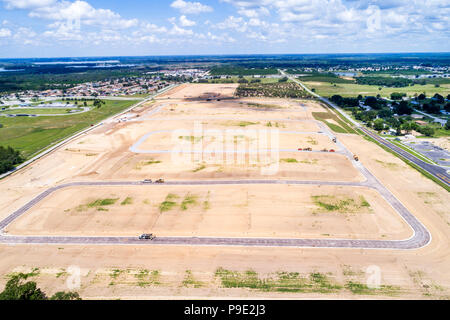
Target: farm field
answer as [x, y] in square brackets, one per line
[327, 89]
[97, 190]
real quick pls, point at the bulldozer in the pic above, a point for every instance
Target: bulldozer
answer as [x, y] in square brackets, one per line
[355, 158]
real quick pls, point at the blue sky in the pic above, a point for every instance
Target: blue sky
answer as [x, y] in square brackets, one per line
[61, 28]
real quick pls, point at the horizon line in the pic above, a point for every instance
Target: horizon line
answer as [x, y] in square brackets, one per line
[231, 55]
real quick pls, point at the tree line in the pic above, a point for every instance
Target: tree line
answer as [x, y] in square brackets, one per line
[9, 158]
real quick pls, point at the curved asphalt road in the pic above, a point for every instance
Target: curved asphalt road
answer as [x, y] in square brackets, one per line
[421, 236]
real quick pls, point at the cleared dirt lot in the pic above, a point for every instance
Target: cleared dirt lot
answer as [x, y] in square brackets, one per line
[226, 211]
[277, 211]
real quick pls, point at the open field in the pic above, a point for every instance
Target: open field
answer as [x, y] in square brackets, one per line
[39, 111]
[224, 211]
[30, 135]
[327, 89]
[235, 79]
[358, 210]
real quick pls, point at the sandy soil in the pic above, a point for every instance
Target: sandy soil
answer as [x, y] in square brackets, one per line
[104, 154]
[225, 211]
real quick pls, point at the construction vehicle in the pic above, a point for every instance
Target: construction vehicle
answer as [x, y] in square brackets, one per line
[355, 158]
[334, 140]
[147, 181]
[159, 181]
[300, 149]
[308, 149]
[332, 150]
[324, 150]
[146, 236]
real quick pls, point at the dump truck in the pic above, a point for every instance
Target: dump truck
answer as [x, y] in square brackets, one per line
[159, 181]
[146, 236]
[308, 149]
[334, 140]
[355, 158]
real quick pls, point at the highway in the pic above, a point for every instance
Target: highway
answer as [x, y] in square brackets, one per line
[438, 172]
[420, 238]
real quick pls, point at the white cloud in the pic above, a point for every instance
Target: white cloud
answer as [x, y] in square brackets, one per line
[4, 32]
[235, 23]
[27, 4]
[187, 7]
[185, 22]
[177, 31]
[84, 12]
[347, 19]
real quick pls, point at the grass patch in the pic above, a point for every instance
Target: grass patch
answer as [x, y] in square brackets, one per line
[289, 160]
[363, 289]
[207, 203]
[279, 282]
[169, 203]
[190, 282]
[292, 160]
[102, 202]
[246, 123]
[343, 127]
[150, 162]
[146, 278]
[313, 161]
[146, 163]
[192, 139]
[127, 201]
[388, 165]
[189, 200]
[264, 106]
[97, 204]
[199, 168]
[239, 123]
[312, 141]
[341, 204]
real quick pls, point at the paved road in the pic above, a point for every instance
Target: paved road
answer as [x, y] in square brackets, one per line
[85, 109]
[437, 171]
[421, 237]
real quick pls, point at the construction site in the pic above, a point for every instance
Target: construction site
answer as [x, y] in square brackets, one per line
[159, 201]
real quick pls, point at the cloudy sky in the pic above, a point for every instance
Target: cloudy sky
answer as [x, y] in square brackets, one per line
[61, 28]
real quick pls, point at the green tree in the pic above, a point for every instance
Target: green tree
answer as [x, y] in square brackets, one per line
[61, 295]
[378, 124]
[17, 289]
[403, 108]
